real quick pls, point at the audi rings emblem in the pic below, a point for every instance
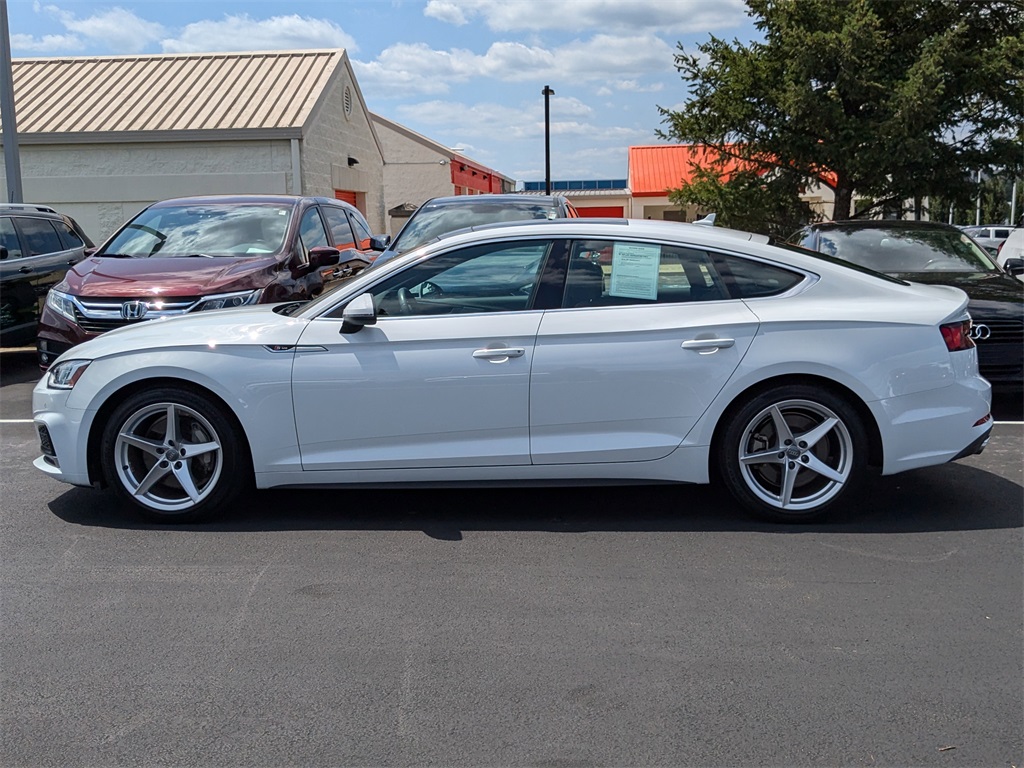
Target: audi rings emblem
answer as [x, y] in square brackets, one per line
[981, 332]
[134, 310]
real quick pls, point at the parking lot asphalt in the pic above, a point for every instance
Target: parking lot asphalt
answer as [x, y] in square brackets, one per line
[641, 626]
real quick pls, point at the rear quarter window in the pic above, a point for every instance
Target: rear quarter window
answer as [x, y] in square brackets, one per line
[747, 279]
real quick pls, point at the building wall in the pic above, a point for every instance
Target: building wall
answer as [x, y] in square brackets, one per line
[413, 172]
[331, 138]
[102, 185]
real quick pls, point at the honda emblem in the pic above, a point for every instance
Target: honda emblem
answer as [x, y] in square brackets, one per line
[134, 310]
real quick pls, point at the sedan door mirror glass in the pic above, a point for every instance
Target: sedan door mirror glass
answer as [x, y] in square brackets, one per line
[380, 242]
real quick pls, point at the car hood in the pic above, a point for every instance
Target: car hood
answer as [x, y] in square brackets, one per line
[991, 294]
[244, 326]
[197, 276]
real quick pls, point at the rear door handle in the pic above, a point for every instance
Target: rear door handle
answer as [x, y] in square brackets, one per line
[25, 270]
[499, 355]
[707, 346]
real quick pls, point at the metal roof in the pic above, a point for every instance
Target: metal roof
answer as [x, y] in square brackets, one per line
[105, 97]
[653, 170]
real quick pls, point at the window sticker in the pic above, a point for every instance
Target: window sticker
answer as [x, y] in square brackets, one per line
[635, 271]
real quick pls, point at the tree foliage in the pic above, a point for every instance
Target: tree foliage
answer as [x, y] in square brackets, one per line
[893, 100]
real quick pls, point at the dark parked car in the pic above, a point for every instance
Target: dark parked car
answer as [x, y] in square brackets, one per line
[928, 252]
[37, 247]
[447, 214]
[200, 253]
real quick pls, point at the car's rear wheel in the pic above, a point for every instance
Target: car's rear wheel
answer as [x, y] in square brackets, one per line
[174, 454]
[791, 452]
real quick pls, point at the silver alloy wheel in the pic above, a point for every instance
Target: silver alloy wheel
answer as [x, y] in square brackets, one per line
[169, 457]
[796, 455]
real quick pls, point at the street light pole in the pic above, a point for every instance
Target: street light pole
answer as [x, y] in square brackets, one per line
[547, 138]
[12, 157]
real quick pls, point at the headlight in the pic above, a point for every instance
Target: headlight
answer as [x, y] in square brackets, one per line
[65, 375]
[227, 300]
[61, 303]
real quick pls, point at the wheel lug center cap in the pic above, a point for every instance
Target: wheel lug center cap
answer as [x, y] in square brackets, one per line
[172, 455]
[793, 452]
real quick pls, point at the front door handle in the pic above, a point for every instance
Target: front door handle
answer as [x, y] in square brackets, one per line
[499, 355]
[707, 346]
[25, 270]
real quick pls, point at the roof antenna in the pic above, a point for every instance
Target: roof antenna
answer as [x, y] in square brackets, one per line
[707, 221]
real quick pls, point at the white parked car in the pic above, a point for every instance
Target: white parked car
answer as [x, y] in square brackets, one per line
[572, 351]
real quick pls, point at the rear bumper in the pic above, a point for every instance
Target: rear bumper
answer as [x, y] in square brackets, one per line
[977, 446]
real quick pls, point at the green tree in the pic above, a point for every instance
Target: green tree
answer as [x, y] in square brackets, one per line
[891, 100]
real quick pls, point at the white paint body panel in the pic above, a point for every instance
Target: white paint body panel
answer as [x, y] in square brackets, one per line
[596, 394]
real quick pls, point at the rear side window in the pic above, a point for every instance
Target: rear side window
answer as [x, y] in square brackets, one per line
[341, 232]
[39, 235]
[616, 273]
[362, 230]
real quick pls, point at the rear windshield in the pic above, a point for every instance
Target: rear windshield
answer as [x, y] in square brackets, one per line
[906, 251]
[431, 221]
[242, 230]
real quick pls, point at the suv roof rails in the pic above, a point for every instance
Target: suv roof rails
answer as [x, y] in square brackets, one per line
[26, 207]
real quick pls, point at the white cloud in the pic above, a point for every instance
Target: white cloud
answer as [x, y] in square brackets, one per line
[46, 44]
[608, 15]
[116, 29]
[404, 68]
[242, 32]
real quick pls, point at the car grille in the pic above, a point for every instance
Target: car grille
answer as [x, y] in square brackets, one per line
[101, 315]
[1002, 331]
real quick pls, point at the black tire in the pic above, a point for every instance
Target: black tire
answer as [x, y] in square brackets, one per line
[183, 475]
[795, 481]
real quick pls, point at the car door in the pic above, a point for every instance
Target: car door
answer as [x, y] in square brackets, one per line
[443, 377]
[646, 338]
[37, 259]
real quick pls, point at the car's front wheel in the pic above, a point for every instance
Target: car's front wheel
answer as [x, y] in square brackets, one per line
[790, 452]
[174, 454]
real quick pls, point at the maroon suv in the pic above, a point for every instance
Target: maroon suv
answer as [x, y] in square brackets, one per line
[198, 253]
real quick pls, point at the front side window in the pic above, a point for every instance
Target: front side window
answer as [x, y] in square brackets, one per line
[496, 277]
[311, 230]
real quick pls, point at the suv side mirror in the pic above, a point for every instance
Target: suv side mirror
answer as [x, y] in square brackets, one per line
[3, 253]
[323, 256]
[380, 242]
[1014, 266]
[358, 312]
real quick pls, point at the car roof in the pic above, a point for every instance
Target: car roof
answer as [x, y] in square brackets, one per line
[883, 224]
[496, 199]
[41, 212]
[242, 199]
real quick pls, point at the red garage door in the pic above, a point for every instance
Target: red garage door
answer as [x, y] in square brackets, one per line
[600, 211]
[348, 197]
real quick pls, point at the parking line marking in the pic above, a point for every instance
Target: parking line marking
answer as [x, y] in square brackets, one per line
[17, 421]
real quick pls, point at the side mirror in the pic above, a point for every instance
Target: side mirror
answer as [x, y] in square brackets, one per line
[380, 242]
[323, 256]
[3, 253]
[1014, 266]
[358, 312]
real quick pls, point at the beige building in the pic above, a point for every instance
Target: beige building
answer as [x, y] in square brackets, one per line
[102, 137]
[417, 169]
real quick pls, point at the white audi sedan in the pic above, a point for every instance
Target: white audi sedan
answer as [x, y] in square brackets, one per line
[571, 351]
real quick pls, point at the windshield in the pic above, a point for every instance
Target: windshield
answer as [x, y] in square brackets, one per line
[225, 229]
[430, 221]
[906, 251]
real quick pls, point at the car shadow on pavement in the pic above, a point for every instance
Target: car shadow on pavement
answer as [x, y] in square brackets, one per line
[948, 498]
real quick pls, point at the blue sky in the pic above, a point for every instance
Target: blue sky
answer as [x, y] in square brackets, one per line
[466, 73]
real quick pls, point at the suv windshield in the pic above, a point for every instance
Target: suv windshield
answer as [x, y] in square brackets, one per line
[203, 230]
[906, 251]
[430, 221]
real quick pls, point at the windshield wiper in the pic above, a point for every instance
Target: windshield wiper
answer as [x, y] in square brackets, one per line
[113, 256]
[200, 256]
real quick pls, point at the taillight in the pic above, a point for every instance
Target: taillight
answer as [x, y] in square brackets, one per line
[957, 336]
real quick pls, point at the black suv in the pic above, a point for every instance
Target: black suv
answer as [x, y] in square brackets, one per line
[37, 247]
